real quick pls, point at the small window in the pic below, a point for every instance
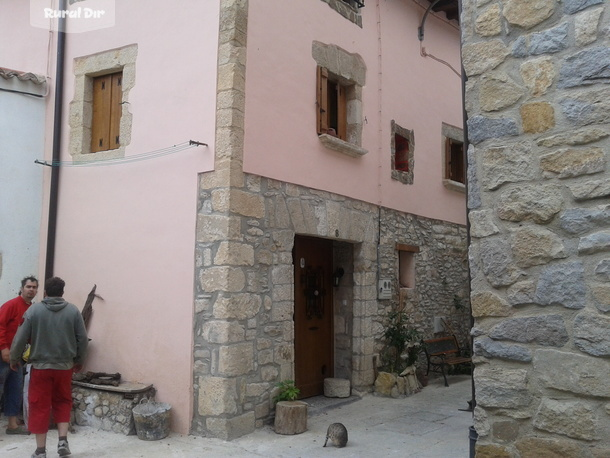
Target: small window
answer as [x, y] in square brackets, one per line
[454, 157]
[332, 105]
[106, 120]
[406, 264]
[402, 143]
[401, 157]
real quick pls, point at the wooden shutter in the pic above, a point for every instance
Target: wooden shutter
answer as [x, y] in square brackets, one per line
[116, 110]
[322, 100]
[106, 120]
[447, 158]
[100, 125]
[341, 112]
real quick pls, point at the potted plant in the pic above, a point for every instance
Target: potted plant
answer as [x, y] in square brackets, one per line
[401, 340]
[290, 414]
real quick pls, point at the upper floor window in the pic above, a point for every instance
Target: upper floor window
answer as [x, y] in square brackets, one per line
[454, 155]
[332, 105]
[454, 159]
[340, 78]
[403, 146]
[100, 120]
[349, 9]
[106, 120]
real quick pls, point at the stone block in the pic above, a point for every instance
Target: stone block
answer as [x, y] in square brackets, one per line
[537, 203]
[538, 75]
[234, 360]
[487, 303]
[538, 447]
[526, 13]
[384, 383]
[572, 372]
[537, 117]
[507, 164]
[237, 306]
[481, 57]
[575, 419]
[501, 387]
[336, 388]
[549, 330]
[573, 162]
[489, 22]
[217, 396]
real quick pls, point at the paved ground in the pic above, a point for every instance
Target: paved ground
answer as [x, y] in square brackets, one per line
[427, 424]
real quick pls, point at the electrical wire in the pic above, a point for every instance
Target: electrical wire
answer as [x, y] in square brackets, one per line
[423, 53]
[124, 160]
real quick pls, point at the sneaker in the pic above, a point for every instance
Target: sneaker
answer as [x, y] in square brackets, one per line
[63, 449]
[39, 455]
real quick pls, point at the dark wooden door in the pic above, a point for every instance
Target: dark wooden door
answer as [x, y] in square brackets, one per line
[313, 314]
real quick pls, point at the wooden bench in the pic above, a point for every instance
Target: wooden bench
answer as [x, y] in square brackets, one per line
[442, 353]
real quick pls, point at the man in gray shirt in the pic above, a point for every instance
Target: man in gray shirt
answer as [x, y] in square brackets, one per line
[58, 338]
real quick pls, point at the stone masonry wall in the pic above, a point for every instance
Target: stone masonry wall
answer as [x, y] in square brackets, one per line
[244, 304]
[441, 274]
[538, 103]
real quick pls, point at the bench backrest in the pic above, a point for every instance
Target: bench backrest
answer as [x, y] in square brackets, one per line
[442, 345]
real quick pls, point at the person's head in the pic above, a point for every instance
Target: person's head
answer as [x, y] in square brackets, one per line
[54, 287]
[29, 288]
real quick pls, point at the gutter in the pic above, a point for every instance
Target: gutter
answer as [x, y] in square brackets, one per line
[57, 120]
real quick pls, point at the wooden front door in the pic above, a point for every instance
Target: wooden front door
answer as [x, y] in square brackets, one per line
[313, 314]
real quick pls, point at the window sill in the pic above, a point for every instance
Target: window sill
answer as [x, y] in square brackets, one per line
[454, 186]
[336, 144]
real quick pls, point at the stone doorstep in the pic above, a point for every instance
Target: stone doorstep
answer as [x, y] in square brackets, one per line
[106, 407]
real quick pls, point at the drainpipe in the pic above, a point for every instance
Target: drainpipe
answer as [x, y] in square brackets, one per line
[57, 115]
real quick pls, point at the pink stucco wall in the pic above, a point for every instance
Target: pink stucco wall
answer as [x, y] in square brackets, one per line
[418, 93]
[130, 228]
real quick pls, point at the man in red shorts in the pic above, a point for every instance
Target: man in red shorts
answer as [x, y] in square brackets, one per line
[11, 382]
[58, 338]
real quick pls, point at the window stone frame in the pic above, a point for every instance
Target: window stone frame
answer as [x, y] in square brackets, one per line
[81, 107]
[402, 176]
[350, 71]
[457, 134]
[349, 10]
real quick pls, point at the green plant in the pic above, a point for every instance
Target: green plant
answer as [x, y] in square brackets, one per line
[287, 391]
[400, 337]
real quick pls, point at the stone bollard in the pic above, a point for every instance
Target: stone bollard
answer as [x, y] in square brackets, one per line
[336, 388]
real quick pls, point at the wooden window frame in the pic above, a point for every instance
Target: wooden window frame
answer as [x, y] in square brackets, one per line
[455, 169]
[331, 100]
[107, 111]
[454, 178]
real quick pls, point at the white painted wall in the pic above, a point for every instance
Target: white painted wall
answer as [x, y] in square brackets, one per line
[22, 123]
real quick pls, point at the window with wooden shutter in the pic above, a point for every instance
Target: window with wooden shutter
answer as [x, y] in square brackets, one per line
[106, 121]
[454, 157]
[331, 105]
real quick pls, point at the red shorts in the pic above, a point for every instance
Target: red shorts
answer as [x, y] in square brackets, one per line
[50, 391]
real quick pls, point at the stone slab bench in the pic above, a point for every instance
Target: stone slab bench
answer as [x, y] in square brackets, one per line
[108, 407]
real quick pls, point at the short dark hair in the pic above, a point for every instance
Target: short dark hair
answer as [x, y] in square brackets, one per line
[54, 287]
[27, 279]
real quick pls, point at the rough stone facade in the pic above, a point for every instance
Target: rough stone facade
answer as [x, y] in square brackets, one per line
[537, 92]
[246, 227]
